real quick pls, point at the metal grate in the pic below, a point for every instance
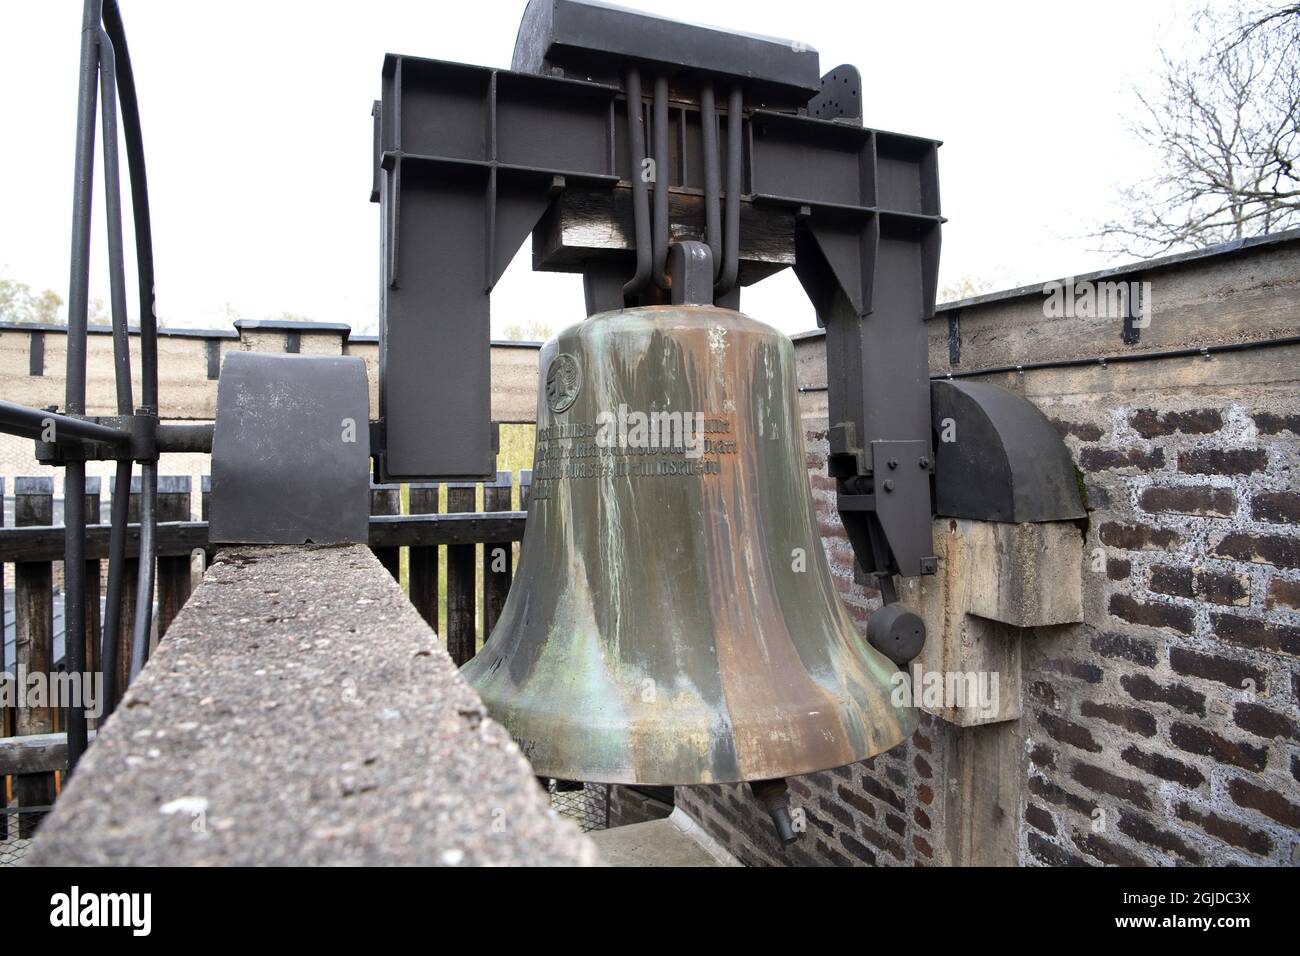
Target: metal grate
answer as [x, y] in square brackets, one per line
[17, 827]
[586, 804]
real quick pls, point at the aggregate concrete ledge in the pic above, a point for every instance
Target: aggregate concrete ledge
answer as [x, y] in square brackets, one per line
[300, 711]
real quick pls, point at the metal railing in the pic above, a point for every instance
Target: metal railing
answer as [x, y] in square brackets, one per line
[70, 438]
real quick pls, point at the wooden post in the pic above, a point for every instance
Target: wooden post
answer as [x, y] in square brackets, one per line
[461, 637]
[525, 488]
[33, 638]
[387, 500]
[93, 584]
[422, 562]
[498, 556]
[173, 570]
[130, 577]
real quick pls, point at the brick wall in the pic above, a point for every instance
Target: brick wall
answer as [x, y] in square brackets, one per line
[1164, 729]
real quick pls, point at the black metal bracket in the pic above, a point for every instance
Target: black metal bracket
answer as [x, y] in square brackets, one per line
[776, 171]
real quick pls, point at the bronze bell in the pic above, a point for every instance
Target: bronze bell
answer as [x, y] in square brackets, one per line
[673, 619]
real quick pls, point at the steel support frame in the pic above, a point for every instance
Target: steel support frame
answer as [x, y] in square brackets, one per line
[468, 159]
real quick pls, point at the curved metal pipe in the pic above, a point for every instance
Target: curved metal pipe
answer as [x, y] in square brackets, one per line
[74, 478]
[113, 215]
[712, 177]
[661, 182]
[731, 245]
[134, 142]
[640, 197]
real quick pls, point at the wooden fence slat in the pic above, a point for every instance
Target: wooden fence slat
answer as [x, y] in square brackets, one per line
[525, 488]
[460, 635]
[35, 753]
[498, 556]
[387, 500]
[422, 562]
[173, 580]
[34, 638]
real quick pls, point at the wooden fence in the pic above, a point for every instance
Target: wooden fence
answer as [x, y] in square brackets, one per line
[467, 587]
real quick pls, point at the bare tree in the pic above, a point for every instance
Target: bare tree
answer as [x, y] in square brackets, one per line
[1224, 126]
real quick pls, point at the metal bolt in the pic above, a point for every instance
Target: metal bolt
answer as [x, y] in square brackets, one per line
[924, 462]
[893, 463]
[889, 486]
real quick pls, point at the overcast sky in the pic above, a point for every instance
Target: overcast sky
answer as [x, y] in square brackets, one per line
[257, 133]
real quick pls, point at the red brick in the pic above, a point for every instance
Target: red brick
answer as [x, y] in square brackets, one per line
[1268, 802]
[922, 847]
[1278, 507]
[1131, 719]
[882, 793]
[1200, 585]
[1189, 500]
[857, 849]
[924, 794]
[1036, 816]
[1054, 793]
[1223, 461]
[1284, 592]
[1278, 550]
[1118, 569]
[1229, 831]
[1158, 614]
[857, 801]
[1264, 722]
[1166, 768]
[1097, 779]
[1124, 647]
[1179, 696]
[1203, 421]
[1084, 431]
[921, 817]
[1112, 854]
[1206, 743]
[1263, 635]
[1138, 537]
[1139, 828]
[1111, 459]
[1223, 670]
[1069, 733]
[1270, 424]
[1051, 854]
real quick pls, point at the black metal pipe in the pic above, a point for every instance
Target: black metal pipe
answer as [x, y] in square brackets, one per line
[83, 188]
[660, 132]
[189, 439]
[134, 143]
[712, 177]
[735, 183]
[113, 598]
[113, 214]
[148, 548]
[640, 196]
[74, 478]
[74, 605]
[34, 423]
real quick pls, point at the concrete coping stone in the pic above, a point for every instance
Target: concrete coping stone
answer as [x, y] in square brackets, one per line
[300, 712]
